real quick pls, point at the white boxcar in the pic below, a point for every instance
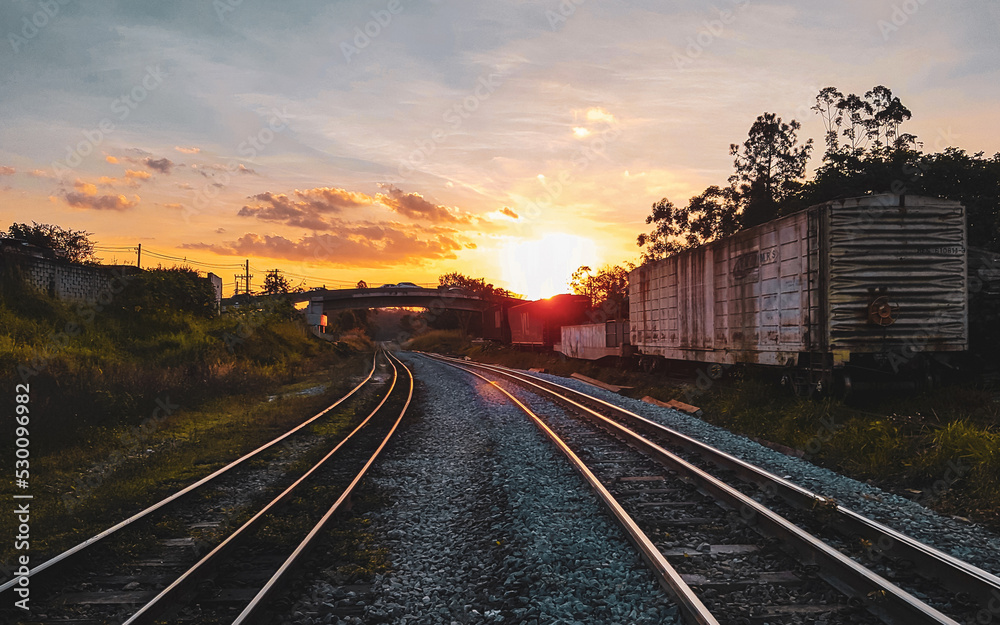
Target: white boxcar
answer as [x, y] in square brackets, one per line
[879, 278]
[592, 341]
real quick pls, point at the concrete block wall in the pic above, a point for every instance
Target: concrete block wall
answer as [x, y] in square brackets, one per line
[73, 283]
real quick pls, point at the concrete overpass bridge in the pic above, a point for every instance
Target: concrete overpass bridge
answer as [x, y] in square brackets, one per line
[323, 301]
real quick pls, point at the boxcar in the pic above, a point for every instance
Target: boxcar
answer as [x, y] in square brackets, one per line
[595, 340]
[537, 323]
[865, 284]
[495, 324]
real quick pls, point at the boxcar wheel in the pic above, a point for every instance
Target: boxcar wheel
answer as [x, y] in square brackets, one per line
[715, 371]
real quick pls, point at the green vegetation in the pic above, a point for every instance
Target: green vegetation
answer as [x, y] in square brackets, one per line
[152, 390]
[73, 245]
[443, 341]
[943, 444]
[941, 447]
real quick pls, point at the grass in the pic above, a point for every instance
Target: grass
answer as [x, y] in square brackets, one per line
[444, 341]
[127, 405]
[940, 446]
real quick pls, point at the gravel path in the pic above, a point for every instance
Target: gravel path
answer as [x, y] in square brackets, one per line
[963, 540]
[489, 524]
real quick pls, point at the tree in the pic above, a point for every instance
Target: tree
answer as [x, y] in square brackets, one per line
[768, 168]
[871, 121]
[75, 245]
[275, 283]
[475, 285]
[971, 179]
[709, 216]
[607, 289]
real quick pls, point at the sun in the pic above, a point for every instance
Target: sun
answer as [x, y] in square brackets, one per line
[539, 268]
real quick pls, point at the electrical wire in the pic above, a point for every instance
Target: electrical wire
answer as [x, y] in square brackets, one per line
[233, 266]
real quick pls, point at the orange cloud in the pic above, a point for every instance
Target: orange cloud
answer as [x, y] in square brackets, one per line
[138, 175]
[111, 159]
[507, 211]
[306, 209]
[414, 206]
[102, 202]
[183, 150]
[363, 245]
[7, 171]
[86, 188]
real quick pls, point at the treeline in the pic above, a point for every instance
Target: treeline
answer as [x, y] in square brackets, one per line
[867, 152]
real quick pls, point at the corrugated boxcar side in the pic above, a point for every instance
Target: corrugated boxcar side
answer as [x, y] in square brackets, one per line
[914, 249]
[746, 298]
[594, 340]
[586, 341]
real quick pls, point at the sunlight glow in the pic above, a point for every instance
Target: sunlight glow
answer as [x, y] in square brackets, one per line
[580, 132]
[542, 267]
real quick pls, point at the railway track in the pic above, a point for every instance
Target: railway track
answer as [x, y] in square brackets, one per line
[228, 567]
[697, 516]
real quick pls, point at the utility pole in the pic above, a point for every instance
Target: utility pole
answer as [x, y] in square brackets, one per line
[138, 258]
[248, 276]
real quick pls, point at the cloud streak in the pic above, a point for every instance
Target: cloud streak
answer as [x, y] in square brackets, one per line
[364, 245]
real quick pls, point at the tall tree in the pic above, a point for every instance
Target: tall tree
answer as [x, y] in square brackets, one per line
[75, 245]
[711, 215]
[768, 167]
[866, 149]
[872, 121]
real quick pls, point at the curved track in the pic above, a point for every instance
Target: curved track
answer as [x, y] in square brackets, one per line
[958, 580]
[353, 455]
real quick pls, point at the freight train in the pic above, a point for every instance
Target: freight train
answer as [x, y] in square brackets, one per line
[845, 293]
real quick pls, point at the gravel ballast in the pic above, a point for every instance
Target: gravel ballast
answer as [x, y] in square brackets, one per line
[490, 524]
[961, 539]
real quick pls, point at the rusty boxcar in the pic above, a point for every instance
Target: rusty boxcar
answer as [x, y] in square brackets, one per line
[845, 288]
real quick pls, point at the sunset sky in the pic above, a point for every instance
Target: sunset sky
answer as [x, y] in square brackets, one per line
[396, 140]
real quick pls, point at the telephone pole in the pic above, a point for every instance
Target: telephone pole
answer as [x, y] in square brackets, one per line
[138, 258]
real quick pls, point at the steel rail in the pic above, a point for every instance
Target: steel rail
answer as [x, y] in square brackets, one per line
[158, 604]
[669, 579]
[187, 490]
[956, 575]
[255, 609]
[878, 595]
